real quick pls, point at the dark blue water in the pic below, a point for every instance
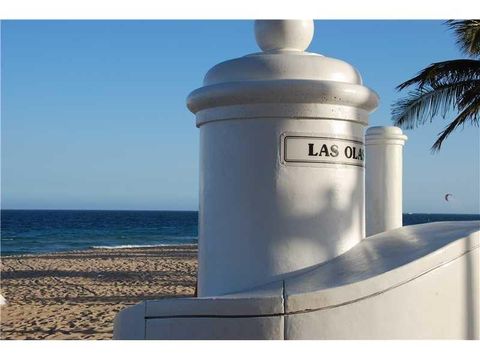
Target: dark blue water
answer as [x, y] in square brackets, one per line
[40, 231]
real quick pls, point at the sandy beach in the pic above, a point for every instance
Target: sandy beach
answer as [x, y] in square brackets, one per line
[76, 295]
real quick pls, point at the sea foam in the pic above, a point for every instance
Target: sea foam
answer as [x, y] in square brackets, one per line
[137, 246]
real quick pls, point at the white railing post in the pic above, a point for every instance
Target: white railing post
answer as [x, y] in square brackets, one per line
[383, 178]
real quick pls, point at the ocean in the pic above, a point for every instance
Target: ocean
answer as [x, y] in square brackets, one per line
[45, 231]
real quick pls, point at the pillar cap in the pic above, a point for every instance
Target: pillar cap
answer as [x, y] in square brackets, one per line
[269, 75]
[385, 134]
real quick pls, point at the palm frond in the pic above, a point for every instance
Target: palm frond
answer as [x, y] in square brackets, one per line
[445, 86]
[446, 71]
[470, 95]
[468, 35]
[425, 103]
[470, 113]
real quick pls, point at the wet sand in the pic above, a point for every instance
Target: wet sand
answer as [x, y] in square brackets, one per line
[76, 295]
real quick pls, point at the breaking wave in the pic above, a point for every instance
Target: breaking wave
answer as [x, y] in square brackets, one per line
[137, 246]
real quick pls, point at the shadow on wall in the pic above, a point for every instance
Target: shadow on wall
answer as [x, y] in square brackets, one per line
[302, 237]
[471, 294]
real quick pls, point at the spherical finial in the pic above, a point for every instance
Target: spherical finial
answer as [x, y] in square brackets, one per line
[294, 35]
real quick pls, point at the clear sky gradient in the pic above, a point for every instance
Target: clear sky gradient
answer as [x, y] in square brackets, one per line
[94, 116]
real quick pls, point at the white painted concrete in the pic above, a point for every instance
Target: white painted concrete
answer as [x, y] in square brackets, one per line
[129, 324]
[208, 328]
[380, 263]
[257, 314]
[440, 303]
[416, 282]
[267, 300]
[383, 178]
[262, 216]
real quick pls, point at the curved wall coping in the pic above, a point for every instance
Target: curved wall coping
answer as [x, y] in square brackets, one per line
[380, 263]
[265, 301]
[377, 264]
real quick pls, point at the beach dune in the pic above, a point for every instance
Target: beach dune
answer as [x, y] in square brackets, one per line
[76, 295]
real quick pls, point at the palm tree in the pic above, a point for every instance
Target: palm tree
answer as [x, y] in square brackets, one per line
[445, 86]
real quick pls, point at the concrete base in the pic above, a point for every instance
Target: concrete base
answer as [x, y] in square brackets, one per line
[416, 282]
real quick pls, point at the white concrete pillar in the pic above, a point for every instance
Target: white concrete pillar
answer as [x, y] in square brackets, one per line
[281, 160]
[383, 178]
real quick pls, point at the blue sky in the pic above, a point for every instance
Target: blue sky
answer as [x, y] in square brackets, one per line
[94, 117]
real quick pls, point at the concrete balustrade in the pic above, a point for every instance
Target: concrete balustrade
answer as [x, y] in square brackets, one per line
[282, 247]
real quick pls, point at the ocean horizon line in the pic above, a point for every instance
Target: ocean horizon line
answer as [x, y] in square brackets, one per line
[167, 210]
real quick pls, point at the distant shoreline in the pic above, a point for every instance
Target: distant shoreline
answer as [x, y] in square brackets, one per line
[100, 249]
